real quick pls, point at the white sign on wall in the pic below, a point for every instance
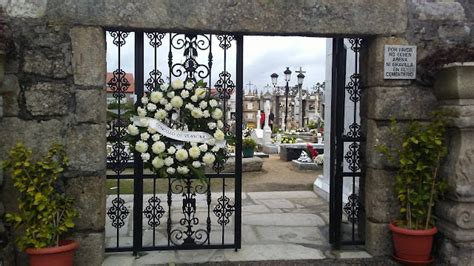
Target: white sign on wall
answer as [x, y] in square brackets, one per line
[400, 62]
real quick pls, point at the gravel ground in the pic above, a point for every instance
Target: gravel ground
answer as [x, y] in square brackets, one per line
[278, 175]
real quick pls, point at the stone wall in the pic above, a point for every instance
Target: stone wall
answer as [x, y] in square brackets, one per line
[53, 89]
[432, 26]
[53, 92]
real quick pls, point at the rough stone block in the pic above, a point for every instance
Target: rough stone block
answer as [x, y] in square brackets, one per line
[253, 164]
[26, 8]
[91, 106]
[370, 17]
[381, 205]
[10, 91]
[89, 193]
[452, 253]
[454, 232]
[91, 249]
[87, 148]
[438, 10]
[48, 99]
[454, 32]
[372, 62]
[88, 61]
[455, 81]
[36, 62]
[405, 103]
[459, 213]
[378, 133]
[305, 166]
[38, 135]
[378, 240]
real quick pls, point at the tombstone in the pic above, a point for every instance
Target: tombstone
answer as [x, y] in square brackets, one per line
[267, 131]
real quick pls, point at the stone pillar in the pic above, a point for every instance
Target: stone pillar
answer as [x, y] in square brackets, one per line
[381, 101]
[454, 88]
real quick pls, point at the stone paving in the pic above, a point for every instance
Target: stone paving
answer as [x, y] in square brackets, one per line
[276, 226]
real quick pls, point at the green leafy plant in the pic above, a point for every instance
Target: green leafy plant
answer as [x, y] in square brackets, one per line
[44, 212]
[248, 143]
[417, 186]
[312, 124]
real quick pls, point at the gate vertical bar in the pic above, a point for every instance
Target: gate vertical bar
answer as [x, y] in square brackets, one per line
[337, 145]
[238, 130]
[138, 163]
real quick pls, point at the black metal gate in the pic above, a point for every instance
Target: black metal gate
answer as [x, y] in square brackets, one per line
[346, 184]
[167, 214]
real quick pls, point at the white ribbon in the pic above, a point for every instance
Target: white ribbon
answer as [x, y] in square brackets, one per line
[188, 136]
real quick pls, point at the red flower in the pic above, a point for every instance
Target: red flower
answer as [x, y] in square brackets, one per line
[311, 150]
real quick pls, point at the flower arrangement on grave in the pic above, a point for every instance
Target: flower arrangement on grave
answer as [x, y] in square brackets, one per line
[179, 130]
[319, 159]
[287, 139]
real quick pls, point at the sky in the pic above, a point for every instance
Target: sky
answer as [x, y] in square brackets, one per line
[263, 55]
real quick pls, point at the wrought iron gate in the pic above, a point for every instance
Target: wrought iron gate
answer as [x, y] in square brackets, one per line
[346, 209]
[172, 213]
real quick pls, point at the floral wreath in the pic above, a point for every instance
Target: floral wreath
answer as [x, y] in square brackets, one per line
[179, 130]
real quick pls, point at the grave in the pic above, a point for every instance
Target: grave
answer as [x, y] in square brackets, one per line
[293, 151]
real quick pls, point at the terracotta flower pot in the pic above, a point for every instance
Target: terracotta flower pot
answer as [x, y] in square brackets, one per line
[63, 255]
[412, 246]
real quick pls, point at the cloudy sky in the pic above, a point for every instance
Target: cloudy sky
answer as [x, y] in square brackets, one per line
[262, 57]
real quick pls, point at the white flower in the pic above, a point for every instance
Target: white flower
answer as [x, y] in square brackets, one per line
[181, 155]
[141, 146]
[170, 94]
[185, 94]
[168, 107]
[132, 130]
[203, 147]
[194, 98]
[219, 135]
[158, 147]
[211, 142]
[196, 113]
[160, 114]
[165, 87]
[155, 137]
[189, 85]
[189, 106]
[203, 104]
[156, 96]
[220, 124]
[200, 93]
[206, 113]
[217, 114]
[215, 149]
[208, 158]
[169, 161]
[213, 103]
[151, 107]
[183, 170]
[163, 101]
[177, 102]
[170, 170]
[151, 130]
[141, 112]
[196, 164]
[143, 122]
[211, 125]
[171, 150]
[157, 163]
[177, 84]
[193, 144]
[144, 100]
[145, 157]
[194, 152]
[144, 136]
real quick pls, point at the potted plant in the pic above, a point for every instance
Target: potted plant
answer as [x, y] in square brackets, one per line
[248, 147]
[417, 186]
[45, 213]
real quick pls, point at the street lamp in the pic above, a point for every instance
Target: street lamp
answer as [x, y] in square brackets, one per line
[274, 77]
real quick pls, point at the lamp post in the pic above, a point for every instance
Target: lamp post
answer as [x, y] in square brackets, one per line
[300, 77]
[274, 77]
